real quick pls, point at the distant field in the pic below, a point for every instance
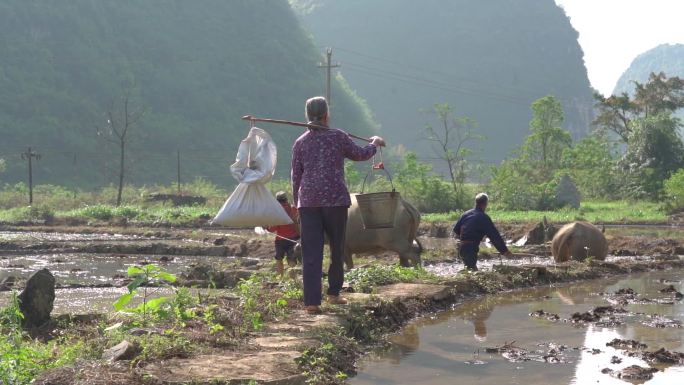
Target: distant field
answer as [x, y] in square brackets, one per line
[616, 212]
[146, 214]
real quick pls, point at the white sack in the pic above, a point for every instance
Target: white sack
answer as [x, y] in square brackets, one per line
[252, 204]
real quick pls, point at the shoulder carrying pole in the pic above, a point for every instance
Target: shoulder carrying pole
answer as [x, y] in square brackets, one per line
[299, 124]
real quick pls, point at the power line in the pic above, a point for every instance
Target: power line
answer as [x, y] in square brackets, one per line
[431, 84]
[433, 71]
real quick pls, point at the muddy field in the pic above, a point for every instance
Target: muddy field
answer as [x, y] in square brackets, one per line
[90, 263]
[90, 267]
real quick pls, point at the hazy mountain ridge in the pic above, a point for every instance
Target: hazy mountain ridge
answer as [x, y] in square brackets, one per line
[667, 58]
[196, 67]
[490, 60]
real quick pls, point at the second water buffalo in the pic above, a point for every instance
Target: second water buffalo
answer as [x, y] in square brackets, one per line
[577, 241]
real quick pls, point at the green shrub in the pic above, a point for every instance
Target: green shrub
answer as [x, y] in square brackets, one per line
[27, 214]
[674, 191]
[100, 212]
[128, 212]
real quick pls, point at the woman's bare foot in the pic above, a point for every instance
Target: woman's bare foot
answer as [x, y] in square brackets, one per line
[336, 300]
[280, 267]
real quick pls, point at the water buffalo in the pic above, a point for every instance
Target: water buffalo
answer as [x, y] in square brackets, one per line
[577, 241]
[401, 238]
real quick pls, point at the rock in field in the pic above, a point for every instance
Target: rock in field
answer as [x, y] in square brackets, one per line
[37, 299]
[123, 351]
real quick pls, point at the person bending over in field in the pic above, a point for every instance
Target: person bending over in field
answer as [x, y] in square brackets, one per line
[472, 227]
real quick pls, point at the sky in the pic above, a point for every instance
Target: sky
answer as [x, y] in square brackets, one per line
[639, 24]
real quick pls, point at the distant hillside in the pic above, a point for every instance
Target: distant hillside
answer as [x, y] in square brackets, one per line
[488, 59]
[668, 58]
[196, 67]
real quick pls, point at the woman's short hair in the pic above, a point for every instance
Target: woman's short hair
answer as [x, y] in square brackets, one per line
[316, 109]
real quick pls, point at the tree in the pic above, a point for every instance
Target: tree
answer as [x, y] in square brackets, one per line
[450, 141]
[121, 119]
[528, 180]
[548, 138]
[419, 185]
[659, 95]
[591, 163]
[654, 152]
[645, 123]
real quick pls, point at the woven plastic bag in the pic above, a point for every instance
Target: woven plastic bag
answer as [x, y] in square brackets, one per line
[252, 204]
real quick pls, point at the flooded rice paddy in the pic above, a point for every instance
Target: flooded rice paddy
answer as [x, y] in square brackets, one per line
[450, 347]
[73, 269]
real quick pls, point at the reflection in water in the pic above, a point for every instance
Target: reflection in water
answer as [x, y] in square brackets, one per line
[477, 312]
[441, 349]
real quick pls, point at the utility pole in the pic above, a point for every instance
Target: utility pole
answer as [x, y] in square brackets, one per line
[178, 171]
[328, 66]
[29, 155]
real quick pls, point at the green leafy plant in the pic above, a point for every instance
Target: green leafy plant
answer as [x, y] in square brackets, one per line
[209, 317]
[183, 304]
[264, 300]
[365, 279]
[143, 277]
[22, 359]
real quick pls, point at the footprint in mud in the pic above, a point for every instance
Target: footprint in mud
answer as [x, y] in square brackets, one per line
[553, 354]
[621, 344]
[631, 373]
[661, 322]
[672, 290]
[542, 314]
[662, 357]
[601, 315]
[637, 349]
[627, 296]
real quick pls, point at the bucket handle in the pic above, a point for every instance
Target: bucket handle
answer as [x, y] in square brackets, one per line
[373, 168]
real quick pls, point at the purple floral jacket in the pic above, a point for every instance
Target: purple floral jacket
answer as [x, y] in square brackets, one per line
[318, 167]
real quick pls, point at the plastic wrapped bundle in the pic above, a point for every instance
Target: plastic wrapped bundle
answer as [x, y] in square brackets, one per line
[252, 204]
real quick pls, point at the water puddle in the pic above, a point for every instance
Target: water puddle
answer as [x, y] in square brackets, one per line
[648, 232]
[68, 237]
[90, 269]
[100, 300]
[446, 269]
[450, 347]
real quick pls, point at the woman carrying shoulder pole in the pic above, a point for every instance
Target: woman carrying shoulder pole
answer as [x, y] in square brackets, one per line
[320, 193]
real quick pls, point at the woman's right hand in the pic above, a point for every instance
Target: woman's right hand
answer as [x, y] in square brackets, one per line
[377, 141]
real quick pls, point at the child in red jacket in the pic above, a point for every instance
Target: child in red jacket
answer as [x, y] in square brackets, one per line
[286, 235]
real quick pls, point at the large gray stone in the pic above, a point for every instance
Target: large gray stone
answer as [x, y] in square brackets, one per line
[567, 193]
[37, 299]
[122, 351]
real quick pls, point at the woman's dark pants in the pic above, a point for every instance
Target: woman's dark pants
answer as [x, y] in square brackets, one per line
[316, 222]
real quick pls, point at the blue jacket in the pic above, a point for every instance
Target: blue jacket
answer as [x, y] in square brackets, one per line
[472, 227]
